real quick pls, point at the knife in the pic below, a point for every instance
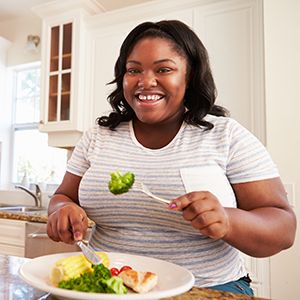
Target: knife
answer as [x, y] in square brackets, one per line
[88, 252]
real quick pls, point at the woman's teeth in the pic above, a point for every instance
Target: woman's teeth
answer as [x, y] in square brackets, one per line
[149, 97]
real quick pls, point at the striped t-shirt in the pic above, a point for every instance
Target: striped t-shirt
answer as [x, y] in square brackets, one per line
[196, 159]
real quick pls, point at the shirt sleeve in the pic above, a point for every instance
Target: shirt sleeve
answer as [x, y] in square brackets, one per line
[248, 159]
[79, 161]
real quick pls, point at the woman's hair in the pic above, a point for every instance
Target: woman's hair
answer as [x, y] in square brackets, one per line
[200, 94]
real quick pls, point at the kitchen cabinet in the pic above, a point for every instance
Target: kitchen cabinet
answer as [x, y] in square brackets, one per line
[63, 105]
[12, 237]
[29, 239]
[60, 73]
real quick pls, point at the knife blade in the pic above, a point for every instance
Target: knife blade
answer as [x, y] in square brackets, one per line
[88, 252]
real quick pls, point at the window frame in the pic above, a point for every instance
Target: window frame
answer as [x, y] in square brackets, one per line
[18, 126]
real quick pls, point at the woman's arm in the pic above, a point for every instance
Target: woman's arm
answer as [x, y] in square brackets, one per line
[67, 221]
[262, 225]
[264, 222]
[66, 193]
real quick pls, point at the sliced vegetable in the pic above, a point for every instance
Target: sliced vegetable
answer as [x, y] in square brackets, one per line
[124, 268]
[73, 266]
[114, 272]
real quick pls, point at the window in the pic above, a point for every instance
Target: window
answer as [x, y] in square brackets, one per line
[33, 160]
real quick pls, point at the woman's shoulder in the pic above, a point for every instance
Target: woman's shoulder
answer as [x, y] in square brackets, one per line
[222, 123]
[219, 120]
[96, 131]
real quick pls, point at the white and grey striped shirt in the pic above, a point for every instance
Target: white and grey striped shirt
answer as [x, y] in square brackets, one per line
[194, 160]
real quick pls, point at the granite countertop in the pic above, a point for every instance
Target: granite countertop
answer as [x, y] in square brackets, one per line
[40, 216]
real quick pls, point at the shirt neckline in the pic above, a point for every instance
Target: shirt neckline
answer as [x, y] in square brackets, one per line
[137, 143]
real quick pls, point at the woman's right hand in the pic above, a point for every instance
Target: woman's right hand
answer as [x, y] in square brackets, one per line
[67, 224]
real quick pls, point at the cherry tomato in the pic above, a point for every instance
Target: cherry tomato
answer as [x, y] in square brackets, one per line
[114, 272]
[125, 268]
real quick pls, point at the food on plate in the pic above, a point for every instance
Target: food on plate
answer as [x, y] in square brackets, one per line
[116, 271]
[119, 183]
[98, 281]
[76, 273]
[140, 282]
[73, 266]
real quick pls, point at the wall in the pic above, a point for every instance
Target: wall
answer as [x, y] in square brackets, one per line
[17, 30]
[282, 64]
[5, 115]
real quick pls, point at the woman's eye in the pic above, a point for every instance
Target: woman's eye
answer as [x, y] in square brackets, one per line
[133, 71]
[164, 70]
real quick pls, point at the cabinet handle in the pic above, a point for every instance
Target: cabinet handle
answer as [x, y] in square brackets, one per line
[37, 235]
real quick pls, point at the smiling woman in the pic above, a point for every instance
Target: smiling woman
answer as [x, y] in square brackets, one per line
[225, 193]
[154, 86]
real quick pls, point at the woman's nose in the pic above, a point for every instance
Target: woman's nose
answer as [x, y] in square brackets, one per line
[147, 81]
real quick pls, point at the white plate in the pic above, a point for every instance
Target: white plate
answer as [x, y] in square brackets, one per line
[172, 279]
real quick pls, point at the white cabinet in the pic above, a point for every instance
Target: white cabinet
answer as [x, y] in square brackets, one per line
[29, 239]
[38, 243]
[63, 106]
[12, 237]
[259, 271]
[62, 109]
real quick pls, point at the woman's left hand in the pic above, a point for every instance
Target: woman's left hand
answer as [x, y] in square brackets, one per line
[205, 213]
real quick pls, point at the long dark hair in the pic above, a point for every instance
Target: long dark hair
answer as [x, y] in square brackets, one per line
[200, 94]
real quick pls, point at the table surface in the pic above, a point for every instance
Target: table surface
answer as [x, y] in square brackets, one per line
[13, 287]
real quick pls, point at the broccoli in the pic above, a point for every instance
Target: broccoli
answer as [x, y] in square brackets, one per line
[98, 281]
[119, 183]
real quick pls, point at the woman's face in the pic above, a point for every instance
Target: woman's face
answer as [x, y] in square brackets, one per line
[155, 81]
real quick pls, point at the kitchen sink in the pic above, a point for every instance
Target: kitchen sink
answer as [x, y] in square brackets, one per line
[23, 209]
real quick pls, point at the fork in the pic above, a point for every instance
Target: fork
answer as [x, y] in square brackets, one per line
[139, 186]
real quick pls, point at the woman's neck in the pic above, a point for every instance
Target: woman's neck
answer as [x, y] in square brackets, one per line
[156, 136]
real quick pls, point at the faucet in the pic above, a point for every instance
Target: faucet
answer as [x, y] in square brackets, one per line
[37, 196]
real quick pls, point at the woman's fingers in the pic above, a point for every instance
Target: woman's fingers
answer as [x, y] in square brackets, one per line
[212, 224]
[67, 224]
[51, 231]
[182, 202]
[204, 211]
[78, 224]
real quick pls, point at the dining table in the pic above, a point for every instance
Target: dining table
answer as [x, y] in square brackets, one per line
[13, 287]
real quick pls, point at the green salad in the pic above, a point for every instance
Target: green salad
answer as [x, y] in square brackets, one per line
[119, 183]
[98, 281]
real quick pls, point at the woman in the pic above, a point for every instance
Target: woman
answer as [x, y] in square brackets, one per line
[226, 192]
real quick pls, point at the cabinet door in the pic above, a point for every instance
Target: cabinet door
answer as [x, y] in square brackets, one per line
[62, 69]
[59, 96]
[38, 243]
[12, 235]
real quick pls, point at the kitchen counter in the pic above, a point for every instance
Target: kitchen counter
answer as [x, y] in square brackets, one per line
[13, 287]
[39, 217]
